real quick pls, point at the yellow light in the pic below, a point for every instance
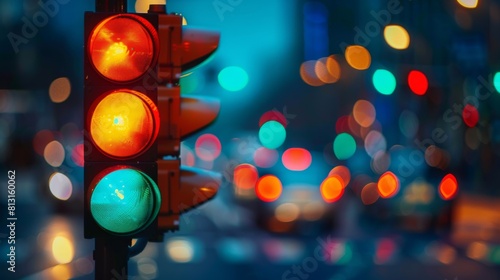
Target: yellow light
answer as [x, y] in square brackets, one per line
[62, 250]
[124, 123]
[470, 4]
[397, 37]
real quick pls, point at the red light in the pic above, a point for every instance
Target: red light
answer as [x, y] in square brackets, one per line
[273, 115]
[245, 176]
[268, 188]
[470, 115]
[296, 159]
[385, 251]
[342, 125]
[77, 155]
[418, 82]
[122, 47]
[124, 123]
[388, 185]
[448, 187]
[332, 188]
[208, 147]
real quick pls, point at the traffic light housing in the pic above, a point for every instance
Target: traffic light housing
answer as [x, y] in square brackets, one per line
[135, 119]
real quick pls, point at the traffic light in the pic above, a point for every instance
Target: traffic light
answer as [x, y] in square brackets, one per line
[135, 119]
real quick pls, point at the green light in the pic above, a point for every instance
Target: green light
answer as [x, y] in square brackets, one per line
[344, 146]
[384, 81]
[272, 134]
[233, 78]
[496, 81]
[125, 201]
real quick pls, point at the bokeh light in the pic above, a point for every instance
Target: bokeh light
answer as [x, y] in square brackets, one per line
[77, 155]
[273, 115]
[59, 90]
[384, 251]
[54, 153]
[343, 172]
[496, 81]
[358, 57]
[308, 73]
[147, 267]
[436, 157]
[265, 158]
[333, 67]
[296, 159]
[272, 134]
[477, 250]
[245, 176]
[388, 185]
[473, 138]
[62, 249]
[374, 143]
[448, 187]
[313, 211]
[233, 78]
[470, 4]
[364, 113]
[332, 188]
[142, 6]
[208, 147]
[384, 81]
[470, 115]
[268, 188]
[187, 155]
[287, 212]
[342, 125]
[380, 162]
[344, 146]
[60, 186]
[418, 83]
[60, 271]
[419, 192]
[397, 37]
[369, 194]
[327, 69]
[408, 124]
[41, 139]
[180, 250]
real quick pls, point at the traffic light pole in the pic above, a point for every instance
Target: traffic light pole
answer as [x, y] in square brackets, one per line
[111, 257]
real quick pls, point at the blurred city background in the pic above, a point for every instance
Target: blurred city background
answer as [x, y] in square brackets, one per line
[357, 140]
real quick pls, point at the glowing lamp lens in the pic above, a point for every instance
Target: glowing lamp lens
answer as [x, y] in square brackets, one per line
[122, 47]
[124, 123]
[124, 201]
